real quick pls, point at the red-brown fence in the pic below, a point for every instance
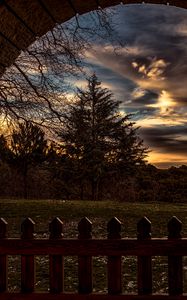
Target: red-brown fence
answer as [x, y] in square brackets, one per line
[114, 247]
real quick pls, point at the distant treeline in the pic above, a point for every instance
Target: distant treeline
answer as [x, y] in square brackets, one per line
[167, 185]
[47, 181]
[97, 155]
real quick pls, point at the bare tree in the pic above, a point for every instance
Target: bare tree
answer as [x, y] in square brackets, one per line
[35, 86]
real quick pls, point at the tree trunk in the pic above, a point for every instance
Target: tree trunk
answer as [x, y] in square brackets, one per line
[25, 182]
[81, 191]
[95, 188]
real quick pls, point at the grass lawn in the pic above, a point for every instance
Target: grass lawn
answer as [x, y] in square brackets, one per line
[42, 211]
[71, 212]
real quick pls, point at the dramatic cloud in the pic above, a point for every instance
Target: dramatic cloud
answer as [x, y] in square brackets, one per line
[149, 75]
[171, 139]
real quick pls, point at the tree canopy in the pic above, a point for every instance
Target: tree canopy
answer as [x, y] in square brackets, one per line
[35, 86]
[27, 147]
[98, 138]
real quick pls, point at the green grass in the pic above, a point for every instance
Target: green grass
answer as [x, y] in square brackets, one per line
[71, 212]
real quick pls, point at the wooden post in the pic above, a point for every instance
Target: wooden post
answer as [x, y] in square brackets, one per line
[144, 262]
[56, 262]
[27, 261]
[175, 272]
[114, 262]
[3, 258]
[85, 262]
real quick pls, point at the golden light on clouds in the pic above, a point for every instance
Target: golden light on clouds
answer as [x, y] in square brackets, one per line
[149, 77]
[148, 122]
[165, 103]
[159, 159]
[154, 69]
[138, 92]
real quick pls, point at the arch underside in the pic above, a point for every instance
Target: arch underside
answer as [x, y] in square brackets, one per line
[23, 21]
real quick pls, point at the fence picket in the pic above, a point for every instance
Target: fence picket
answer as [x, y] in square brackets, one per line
[3, 258]
[175, 247]
[85, 262]
[144, 262]
[175, 273]
[56, 262]
[114, 262]
[27, 261]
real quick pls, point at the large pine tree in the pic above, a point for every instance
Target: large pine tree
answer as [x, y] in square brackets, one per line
[97, 138]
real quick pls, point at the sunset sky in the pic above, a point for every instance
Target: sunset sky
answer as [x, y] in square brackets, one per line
[149, 75]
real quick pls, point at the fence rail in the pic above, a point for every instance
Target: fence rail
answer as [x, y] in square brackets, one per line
[84, 247]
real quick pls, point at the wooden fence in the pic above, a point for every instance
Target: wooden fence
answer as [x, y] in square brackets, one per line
[84, 247]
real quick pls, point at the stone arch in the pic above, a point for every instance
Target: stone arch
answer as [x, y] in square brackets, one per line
[23, 21]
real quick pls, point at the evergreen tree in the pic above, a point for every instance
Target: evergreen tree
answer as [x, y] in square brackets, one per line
[96, 137]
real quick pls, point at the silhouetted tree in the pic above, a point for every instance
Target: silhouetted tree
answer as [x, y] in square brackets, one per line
[5, 152]
[35, 86]
[28, 147]
[97, 137]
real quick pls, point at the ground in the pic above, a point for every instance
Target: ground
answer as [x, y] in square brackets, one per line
[43, 211]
